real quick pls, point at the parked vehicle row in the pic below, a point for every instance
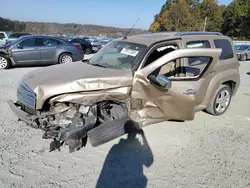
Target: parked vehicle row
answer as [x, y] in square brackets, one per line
[86, 46]
[4, 38]
[39, 50]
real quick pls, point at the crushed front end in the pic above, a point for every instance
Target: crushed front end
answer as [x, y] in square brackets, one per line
[67, 122]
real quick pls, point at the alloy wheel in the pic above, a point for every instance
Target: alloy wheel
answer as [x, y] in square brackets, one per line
[66, 59]
[3, 63]
[222, 101]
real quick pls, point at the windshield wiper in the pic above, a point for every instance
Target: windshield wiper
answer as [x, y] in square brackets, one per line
[98, 65]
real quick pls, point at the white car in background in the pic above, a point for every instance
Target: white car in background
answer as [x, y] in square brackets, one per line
[3, 38]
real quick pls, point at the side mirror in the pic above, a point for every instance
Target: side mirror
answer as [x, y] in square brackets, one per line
[160, 81]
[19, 46]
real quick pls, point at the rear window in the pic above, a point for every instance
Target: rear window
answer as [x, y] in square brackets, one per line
[227, 50]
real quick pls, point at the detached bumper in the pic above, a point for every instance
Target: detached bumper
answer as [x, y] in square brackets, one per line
[21, 115]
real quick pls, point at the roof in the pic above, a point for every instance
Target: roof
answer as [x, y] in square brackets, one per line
[151, 38]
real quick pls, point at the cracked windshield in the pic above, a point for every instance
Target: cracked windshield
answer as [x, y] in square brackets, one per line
[117, 55]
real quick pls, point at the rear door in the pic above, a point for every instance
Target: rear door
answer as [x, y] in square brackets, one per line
[27, 52]
[49, 48]
[200, 63]
[177, 102]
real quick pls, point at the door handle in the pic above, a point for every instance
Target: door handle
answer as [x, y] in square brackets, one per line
[190, 92]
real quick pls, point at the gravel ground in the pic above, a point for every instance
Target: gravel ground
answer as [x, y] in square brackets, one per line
[207, 152]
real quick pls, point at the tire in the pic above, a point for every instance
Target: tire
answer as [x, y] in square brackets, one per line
[87, 51]
[65, 58]
[213, 107]
[109, 131]
[4, 62]
[243, 57]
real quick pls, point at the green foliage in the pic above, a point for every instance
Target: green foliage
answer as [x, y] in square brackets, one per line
[189, 15]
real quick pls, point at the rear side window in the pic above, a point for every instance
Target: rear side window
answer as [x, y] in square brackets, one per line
[227, 50]
[195, 61]
[198, 44]
[46, 42]
[75, 40]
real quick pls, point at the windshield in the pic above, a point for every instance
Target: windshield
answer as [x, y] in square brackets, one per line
[10, 43]
[242, 47]
[117, 55]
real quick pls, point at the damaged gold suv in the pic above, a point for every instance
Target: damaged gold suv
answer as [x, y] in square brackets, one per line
[132, 82]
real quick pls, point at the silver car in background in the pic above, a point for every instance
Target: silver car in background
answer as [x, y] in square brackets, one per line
[243, 52]
[39, 50]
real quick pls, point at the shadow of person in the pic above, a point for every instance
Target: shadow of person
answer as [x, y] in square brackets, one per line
[123, 166]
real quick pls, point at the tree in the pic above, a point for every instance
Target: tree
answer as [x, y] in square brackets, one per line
[236, 19]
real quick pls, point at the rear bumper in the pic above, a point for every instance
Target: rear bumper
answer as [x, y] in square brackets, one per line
[78, 56]
[21, 115]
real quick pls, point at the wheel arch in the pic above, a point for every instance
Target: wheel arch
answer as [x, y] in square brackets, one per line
[231, 84]
[6, 56]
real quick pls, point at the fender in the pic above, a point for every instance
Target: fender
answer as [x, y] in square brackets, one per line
[232, 75]
[212, 87]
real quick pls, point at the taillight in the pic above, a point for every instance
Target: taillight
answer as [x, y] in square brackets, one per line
[78, 47]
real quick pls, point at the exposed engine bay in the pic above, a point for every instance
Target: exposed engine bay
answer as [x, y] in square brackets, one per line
[68, 123]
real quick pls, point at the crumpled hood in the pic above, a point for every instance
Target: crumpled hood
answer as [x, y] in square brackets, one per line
[75, 77]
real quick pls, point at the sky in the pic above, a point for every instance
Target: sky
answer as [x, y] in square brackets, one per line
[115, 13]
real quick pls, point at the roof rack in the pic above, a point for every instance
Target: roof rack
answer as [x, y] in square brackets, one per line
[197, 33]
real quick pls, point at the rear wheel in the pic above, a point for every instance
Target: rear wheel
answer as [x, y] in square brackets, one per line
[87, 51]
[4, 62]
[65, 58]
[220, 101]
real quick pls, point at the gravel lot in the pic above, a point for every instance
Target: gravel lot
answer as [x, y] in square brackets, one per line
[207, 152]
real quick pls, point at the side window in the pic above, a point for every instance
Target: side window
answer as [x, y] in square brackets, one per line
[177, 68]
[159, 52]
[75, 41]
[198, 44]
[225, 45]
[50, 42]
[2, 36]
[28, 43]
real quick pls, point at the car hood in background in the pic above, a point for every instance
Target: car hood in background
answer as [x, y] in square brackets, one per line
[75, 77]
[240, 51]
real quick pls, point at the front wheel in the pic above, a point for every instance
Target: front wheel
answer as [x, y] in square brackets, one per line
[4, 62]
[221, 101]
[110, 130]
[65, 58]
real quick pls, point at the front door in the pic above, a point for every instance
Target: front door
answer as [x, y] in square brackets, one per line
[177, 102]
[27, 52]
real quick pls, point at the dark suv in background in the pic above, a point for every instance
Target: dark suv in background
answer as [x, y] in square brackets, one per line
[39, 50]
